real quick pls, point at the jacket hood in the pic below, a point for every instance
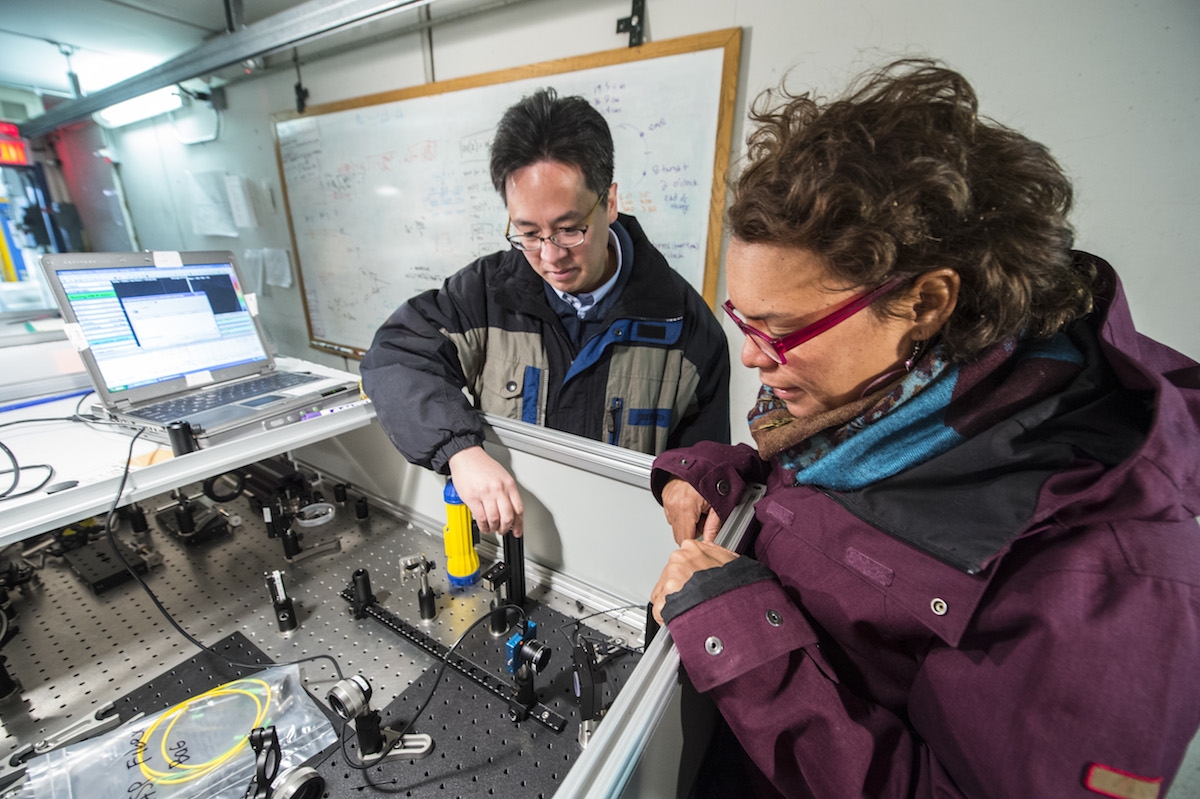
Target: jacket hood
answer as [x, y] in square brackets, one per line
[1160, 478]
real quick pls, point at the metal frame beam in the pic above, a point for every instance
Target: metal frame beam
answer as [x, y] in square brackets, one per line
[286, 29]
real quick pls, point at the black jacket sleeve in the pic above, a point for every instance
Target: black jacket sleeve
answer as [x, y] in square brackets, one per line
[414, 374]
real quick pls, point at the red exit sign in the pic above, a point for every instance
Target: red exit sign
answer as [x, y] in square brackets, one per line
[12, 148]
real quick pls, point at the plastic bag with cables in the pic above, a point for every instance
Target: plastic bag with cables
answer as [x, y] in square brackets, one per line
[198, 748]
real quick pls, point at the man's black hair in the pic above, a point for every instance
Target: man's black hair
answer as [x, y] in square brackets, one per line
[546, 127]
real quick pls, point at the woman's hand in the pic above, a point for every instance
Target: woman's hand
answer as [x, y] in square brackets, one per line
[691, 557]
[688, 513]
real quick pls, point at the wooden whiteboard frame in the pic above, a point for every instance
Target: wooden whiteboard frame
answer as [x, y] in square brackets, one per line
[728, 39]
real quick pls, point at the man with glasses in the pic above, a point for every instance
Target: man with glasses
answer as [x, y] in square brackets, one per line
[581, 326]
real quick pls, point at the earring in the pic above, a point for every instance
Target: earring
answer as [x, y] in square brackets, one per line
[912, 359]
[887, 377]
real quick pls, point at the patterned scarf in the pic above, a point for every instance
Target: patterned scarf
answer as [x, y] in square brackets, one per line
[924, 413]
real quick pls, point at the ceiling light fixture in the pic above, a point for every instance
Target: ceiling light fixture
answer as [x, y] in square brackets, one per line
[148, 105]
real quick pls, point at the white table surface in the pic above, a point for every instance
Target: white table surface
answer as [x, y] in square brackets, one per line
[95, 456]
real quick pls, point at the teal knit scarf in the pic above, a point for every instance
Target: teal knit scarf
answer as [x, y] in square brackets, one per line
[928, 411]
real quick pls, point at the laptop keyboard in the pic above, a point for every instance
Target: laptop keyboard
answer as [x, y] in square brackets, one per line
[180, 408]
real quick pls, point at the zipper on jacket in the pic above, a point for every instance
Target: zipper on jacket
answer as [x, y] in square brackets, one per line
[614, 420]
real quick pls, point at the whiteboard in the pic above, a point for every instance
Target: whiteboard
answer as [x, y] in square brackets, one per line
[387, 197]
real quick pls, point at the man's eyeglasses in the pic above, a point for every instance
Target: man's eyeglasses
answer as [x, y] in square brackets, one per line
[776, 348]
[564, 237]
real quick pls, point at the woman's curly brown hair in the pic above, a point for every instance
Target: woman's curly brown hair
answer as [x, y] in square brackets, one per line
[901, 175]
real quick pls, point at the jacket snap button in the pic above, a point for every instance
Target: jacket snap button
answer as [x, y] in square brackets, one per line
[773, 618]
[723, 487]
[510, 385]
[939, 606]
[713, 645]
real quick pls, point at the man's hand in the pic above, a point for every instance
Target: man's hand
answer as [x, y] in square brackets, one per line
[688, 513]
[488, 490]
[691, 557]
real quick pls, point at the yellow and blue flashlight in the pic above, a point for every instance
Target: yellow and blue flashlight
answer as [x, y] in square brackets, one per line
[462, 562]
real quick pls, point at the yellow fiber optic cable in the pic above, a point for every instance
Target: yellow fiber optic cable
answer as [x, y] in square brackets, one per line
[188, 772]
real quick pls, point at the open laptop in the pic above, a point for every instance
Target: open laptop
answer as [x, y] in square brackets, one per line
[172, 337]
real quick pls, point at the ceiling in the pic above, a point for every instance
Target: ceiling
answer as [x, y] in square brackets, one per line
[107, 40]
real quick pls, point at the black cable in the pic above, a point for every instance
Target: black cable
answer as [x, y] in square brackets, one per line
[88, 420]
[39, 419]
[112, 542]
[16, 470]
[345, 754]
[445, 661]
[575, 622]
[450, 651]
[92, 419]
[50, 472]
[77, 416]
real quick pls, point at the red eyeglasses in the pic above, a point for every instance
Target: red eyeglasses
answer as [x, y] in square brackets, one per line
[776, 348]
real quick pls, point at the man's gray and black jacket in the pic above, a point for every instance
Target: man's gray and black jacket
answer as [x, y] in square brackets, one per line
[656, 376]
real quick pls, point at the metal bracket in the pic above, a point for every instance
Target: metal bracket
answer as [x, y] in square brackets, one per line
[411, 746]
[634, 24]
[330, 545]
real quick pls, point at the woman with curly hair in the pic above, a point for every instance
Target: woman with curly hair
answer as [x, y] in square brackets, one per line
[975, 571]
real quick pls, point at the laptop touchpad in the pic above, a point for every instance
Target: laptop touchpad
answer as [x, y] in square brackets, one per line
[266, 399]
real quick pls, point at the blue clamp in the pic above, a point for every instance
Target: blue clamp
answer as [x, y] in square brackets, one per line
[512, 648]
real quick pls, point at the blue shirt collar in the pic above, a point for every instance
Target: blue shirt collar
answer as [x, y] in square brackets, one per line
[585, 301]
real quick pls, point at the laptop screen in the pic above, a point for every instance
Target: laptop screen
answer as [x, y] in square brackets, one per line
[152, 324]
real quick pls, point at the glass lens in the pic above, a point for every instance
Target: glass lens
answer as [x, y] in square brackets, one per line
[760, 340]
[526, 242]
[570, 237]
[768, 349]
